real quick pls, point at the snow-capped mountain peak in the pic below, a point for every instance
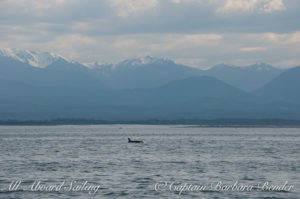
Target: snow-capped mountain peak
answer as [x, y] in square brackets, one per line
[33, 58]
[141, 61]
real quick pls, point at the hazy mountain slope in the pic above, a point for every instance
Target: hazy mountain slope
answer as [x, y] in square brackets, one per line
[191, 98]
[66, 74]
[247, 78]
[198, 97]
[285, 87]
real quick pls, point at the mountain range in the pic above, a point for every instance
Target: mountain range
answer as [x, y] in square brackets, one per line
[151, 72]
[39, 85]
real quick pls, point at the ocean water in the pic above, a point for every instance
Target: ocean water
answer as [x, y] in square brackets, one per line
[174, 162]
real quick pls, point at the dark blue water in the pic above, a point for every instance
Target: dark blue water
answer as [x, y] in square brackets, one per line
[101, 156]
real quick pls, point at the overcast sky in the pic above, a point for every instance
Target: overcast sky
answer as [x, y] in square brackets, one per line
[199, 33]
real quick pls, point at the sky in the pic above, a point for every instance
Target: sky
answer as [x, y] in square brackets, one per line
[198, 33]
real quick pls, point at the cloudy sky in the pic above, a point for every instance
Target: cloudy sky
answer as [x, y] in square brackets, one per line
[199, 33]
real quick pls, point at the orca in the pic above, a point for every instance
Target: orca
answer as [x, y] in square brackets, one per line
[135, 141]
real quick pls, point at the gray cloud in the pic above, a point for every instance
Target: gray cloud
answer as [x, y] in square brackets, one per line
[196, 32]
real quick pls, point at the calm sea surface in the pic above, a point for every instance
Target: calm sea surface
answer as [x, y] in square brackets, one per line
[77, 159]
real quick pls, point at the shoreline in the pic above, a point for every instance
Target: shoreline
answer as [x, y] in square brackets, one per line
[195, 123]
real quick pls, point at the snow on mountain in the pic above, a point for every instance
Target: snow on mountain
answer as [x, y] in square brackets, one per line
[262, 67]
[129, 64]
[141, 61]
[95, 64]
[254, 67]
[33, 58]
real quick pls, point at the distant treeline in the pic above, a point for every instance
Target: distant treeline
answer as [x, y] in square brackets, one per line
[200, 122]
